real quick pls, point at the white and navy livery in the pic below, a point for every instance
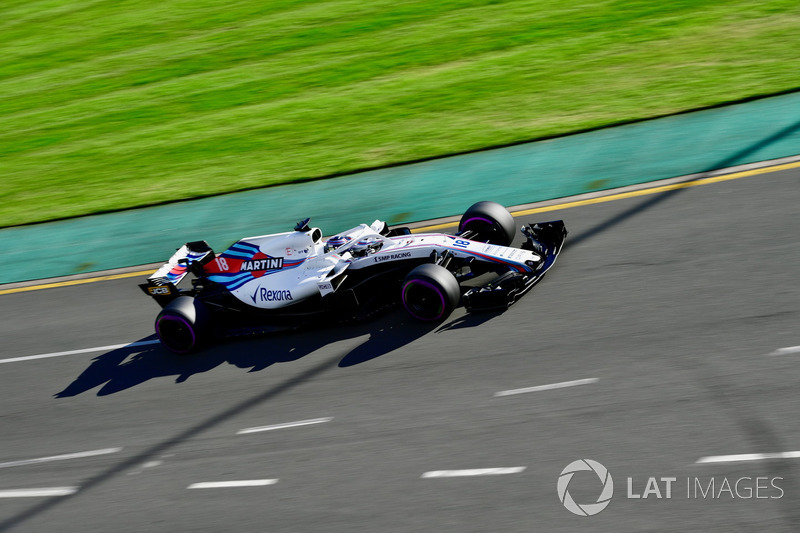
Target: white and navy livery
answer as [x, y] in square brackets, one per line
[288, 279]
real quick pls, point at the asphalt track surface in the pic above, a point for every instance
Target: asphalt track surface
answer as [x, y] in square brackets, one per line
[678, 309]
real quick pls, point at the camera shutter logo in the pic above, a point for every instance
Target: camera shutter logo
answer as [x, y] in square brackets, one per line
[586, 509]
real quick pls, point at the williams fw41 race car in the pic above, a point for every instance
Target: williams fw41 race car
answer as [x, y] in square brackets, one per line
[288, 280]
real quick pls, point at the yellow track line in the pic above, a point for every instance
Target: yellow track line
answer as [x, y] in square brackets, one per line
[77, 282]
[524, 212]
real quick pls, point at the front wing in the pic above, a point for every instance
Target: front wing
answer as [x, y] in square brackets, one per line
[544, 238]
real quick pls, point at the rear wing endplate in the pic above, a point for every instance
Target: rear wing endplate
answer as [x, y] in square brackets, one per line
[161, 284]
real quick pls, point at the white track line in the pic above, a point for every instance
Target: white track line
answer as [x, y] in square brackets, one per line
[747, 457]
[83, 350]
[551, 386]
[229, 484]
[285, 425]
[63, 457]
[34, 493]
[786, 351]
[474, 472]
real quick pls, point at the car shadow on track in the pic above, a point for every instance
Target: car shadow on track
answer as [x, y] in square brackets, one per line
[127, 367]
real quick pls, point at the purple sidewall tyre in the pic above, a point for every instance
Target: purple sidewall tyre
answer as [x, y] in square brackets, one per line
[430, 293]
[490, 222]
[182, 326]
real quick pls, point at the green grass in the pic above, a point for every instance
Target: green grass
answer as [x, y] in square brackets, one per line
[114, 104]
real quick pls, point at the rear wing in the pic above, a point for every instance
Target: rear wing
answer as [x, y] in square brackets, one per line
[161, 284]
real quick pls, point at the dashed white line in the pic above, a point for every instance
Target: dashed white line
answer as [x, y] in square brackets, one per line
[474, 472]
[76, 352]
[229, 484]
[551, 386]
[38, 493]
[285, 425]
[748, 457]
[786, 351]
[62, 457]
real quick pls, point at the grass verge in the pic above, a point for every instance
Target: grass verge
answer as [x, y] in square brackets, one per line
[110, 105]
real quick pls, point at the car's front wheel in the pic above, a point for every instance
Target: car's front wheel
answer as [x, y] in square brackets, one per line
[490, 222]
[430, 292]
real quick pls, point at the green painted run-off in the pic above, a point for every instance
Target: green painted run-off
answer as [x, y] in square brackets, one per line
[603, 159]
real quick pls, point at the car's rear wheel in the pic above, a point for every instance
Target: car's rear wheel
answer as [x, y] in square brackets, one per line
[490, 222]
[430, 292]
[182, 326]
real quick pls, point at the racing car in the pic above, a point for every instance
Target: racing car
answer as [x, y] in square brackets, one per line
[288, 280]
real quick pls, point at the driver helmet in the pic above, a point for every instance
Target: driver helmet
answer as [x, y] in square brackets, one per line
[336, 241]
[365, 246]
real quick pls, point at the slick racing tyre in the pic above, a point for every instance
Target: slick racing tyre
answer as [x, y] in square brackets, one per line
[430, 292]
[490, 221]
[182, 326]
